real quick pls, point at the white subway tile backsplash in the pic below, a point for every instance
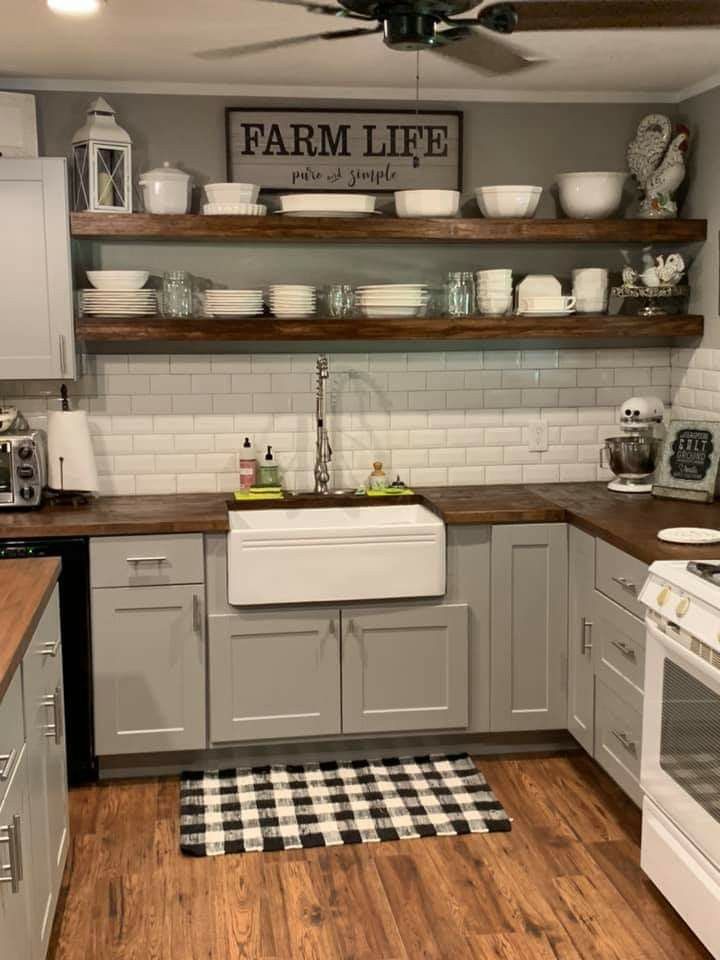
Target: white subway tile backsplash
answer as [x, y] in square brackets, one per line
[166, 423]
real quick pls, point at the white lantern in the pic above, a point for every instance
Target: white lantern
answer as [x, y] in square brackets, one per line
[102, 158]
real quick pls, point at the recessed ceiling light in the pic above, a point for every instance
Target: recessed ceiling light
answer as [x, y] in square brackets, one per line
[75, 8]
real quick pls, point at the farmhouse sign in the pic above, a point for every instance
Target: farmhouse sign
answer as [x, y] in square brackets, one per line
[367, 151]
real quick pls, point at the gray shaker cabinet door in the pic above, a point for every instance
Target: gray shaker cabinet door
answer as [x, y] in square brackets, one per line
[581, 673]
[405, 668]
[529, 627]
[16, 940]
[149, 669]
[274, 674]
[36, 298]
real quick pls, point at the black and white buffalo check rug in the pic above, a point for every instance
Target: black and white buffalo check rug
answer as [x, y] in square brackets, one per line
[288, 807]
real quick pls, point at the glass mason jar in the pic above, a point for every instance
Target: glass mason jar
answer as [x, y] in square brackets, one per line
[340, 300]
[460, 294]
[177, 294]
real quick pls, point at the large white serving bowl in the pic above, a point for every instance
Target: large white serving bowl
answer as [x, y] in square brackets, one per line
[327, 202]
[232, 192]
[592, 195]
[118, 279]
[427, 203]
[508, 201]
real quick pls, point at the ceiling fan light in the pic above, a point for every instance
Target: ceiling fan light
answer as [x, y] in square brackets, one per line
[75, 8]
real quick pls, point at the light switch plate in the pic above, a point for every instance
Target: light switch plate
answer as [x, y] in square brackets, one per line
[537, 436]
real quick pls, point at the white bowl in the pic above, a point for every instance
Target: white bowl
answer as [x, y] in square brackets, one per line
[591, 196]
[508, 201]
[232, 192]
[345, 202]
[232, 207]
[427, 203]
[118, 279]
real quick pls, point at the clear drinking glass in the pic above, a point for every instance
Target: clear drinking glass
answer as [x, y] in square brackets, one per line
[340, 300]
[460, 294]
[177, 294]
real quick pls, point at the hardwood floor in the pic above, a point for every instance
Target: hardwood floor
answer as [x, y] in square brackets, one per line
[565, 884]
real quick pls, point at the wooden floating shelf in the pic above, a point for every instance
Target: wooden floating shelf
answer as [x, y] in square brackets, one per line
[145, 226]
[575, 327]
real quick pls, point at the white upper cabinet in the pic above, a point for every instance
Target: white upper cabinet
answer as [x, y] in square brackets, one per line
[36, 298]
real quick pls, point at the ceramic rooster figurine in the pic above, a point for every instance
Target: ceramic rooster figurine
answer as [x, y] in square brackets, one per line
[656, 159]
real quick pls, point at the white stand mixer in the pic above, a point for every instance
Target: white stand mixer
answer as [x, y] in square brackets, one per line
[633, 457]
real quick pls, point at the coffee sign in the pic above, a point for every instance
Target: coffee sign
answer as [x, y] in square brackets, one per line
[689, 463]
[348, 150]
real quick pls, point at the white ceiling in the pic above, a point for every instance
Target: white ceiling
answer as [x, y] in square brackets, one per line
[146, 44]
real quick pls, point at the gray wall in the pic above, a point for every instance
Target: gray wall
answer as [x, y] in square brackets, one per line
[504, 143]
[703, 115]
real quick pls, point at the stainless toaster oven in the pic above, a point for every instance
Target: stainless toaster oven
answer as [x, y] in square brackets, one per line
[23, 468]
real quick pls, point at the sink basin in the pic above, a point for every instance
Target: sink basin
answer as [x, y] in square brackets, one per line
[333, 554]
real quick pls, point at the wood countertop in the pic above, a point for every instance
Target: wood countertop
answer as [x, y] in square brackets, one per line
[630, 522]
[25, 587]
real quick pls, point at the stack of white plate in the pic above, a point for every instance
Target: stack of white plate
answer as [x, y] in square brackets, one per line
[118, 303]
[392, 299]
[235, 209]
[233, 303]
[327, 204]
[292, 300]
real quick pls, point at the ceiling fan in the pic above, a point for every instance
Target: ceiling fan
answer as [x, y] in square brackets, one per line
[434, 25]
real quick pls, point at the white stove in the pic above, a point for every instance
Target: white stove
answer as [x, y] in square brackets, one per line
[680, 768]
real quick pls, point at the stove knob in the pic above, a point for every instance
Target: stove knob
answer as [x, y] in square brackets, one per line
[663, 596]
[683, 606]
[25, 452]
[25, 471]
[27, 493]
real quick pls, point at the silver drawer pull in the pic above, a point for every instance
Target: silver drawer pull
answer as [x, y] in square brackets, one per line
[196, 613]
[146, 559]
[50, 649]
[586, 637]
[8, 762]
[11, 834]
[54, 730]
[625, 649]
[627, 585]
[624, 739]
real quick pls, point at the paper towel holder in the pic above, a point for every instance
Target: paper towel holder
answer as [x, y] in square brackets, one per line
[68, 434]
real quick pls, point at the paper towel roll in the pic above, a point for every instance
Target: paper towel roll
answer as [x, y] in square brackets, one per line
[71, 461]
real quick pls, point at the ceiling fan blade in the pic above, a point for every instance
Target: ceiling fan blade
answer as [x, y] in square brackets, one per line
[227, 53]
[479, 49]
[613, 14]
[330, 10]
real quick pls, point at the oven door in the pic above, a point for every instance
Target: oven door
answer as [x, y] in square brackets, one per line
[680, 769]
[7, 494]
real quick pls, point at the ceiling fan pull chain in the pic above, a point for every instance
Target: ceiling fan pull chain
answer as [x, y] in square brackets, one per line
[416, 158]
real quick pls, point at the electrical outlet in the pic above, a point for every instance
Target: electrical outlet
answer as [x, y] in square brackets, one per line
[537, 436]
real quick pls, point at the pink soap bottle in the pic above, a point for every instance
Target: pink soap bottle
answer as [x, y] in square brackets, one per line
[248, 465]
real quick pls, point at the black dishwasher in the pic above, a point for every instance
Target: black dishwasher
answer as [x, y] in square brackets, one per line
[76, 645]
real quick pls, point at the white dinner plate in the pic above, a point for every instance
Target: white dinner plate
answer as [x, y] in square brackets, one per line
[346, 214]
[689, 535]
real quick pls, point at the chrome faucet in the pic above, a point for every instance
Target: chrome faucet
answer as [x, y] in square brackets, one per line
[323, 450]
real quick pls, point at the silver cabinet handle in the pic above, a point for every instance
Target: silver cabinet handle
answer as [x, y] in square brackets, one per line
[196, 613]
[8, 762]
[586, 637]
[351, 626]
[624, 739]
[331, 628]
[625, 649]
[50, 649]
[54, 729]
[61, 353]
[146, 559]
[11, 834]
[627, 585]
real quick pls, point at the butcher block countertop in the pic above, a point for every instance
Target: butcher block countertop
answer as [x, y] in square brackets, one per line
[25, 587]
[629, 522]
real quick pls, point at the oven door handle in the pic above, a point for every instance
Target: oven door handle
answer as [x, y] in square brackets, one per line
[681, 655]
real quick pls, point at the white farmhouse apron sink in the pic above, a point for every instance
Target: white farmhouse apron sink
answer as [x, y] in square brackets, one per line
[333, 554]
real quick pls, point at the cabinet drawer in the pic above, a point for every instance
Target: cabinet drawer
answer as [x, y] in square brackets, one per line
[620, 577]
[43, 659]
[618, 736]
[146, 561]
[12, 731]
[618, 640]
